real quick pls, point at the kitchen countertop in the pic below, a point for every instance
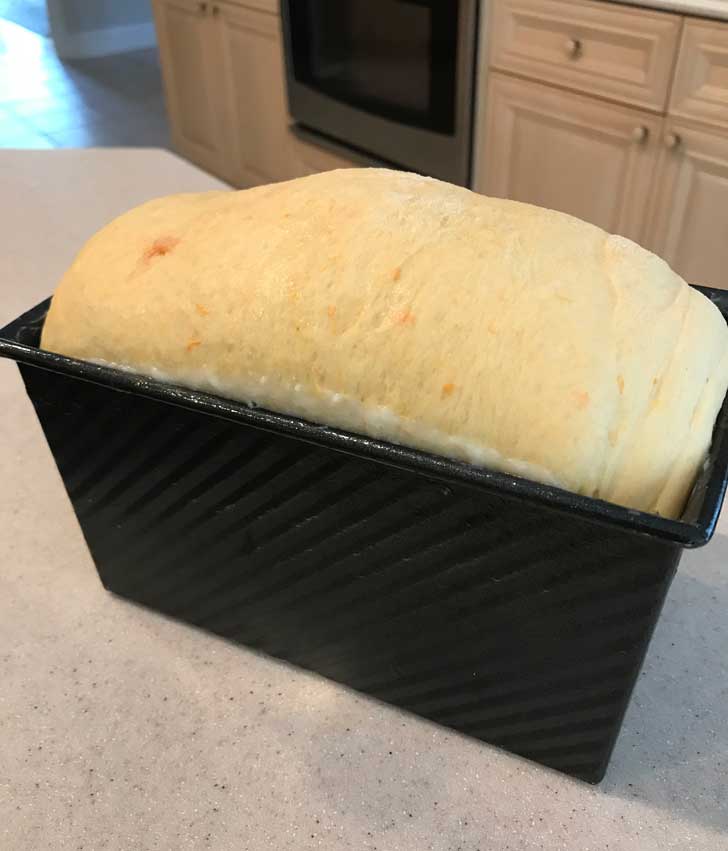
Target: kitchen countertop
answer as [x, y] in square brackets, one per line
[701, 8]
[121, 729]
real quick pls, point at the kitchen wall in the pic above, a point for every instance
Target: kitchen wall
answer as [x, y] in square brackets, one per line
[84, 28]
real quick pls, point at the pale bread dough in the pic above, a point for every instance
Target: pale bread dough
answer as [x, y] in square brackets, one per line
[408, 309]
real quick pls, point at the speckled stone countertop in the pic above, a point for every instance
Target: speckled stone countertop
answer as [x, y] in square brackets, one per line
[717, 9]
[120, 729]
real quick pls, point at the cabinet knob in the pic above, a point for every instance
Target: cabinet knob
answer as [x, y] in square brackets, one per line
[202, 7]
[640, 134]
[572, 46]
[672, 141]
[215, 10]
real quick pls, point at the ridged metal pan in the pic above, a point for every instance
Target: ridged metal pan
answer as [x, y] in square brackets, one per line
[512, 611]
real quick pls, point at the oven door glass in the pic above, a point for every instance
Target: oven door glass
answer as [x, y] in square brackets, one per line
[392, 58]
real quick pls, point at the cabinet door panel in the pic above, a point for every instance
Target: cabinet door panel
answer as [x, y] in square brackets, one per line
[571, 153]
[700, 90]
[252, 63]
[186, 38]
[689, 215]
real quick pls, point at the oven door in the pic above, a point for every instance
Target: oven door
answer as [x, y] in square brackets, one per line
[391, 78]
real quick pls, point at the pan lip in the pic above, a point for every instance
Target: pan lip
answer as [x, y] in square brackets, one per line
[686, 533]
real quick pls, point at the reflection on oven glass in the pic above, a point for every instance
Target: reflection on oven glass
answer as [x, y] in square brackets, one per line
[394, 58]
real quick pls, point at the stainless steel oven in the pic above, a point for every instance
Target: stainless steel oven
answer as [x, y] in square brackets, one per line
[391, 79]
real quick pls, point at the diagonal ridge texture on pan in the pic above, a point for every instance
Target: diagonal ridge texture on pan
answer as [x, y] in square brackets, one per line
[236, 562]
[216, 498]
[217, 612]
[112, 429]
[220, 473]
[495, 601]
[624, 634]
[183, 468]
[324, 639]
[140, 465]
[609, 654]
[379, 536]
[175, 512]
[509, 685]
[291, 588]
[401, 549]
[454, 678]
[164, 578]
[262, 495]
[326, 578]
[78, 463]
[259, 575]
[518, 675]
[124, 533]
[136, 448]
[321, 538]
[413, 575]
[446, 660]
[557, 744]
[571, 727]
[559, 688]
[68, 434]
[438, 585]
[536, 710]
[578, 744]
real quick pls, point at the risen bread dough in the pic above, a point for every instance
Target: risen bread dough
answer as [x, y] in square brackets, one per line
[508, 335]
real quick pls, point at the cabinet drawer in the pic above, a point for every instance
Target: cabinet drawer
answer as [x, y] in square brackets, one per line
[701, 80]
[617, 52]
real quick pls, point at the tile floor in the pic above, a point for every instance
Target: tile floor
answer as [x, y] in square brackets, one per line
[46, 103]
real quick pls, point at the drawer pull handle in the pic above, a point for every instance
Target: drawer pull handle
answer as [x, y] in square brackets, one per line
[215, 10]
[572, 46]
[672, 141]
[202, 8]
[640, 134]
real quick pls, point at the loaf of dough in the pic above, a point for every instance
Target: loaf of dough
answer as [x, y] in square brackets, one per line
[407, 309]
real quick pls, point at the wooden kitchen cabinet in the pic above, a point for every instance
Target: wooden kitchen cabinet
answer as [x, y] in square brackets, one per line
[616, 115]
[689, 212]
[225, 87]
[189, 53]
[571, 153]
[700, 90]
[253, 80]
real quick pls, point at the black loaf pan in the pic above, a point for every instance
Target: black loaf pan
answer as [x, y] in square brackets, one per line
[514, 612]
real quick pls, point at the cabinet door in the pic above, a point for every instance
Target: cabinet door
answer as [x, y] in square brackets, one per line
[187, 49]
[569, 152]
[252, 66]
[689, 215]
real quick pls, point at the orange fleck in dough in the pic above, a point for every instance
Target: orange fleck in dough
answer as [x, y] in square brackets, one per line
[201, 309]
[397, 274]
[447, 389]
[406, 317]
[582, 399]
[620, 384]
[491, 328]
[331, 311]
[193, 344]
[160, 247]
